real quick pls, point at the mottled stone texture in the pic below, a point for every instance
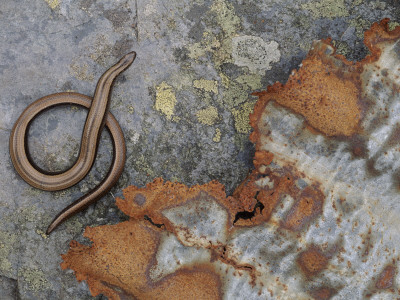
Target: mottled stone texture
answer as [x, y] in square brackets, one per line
[183, 105]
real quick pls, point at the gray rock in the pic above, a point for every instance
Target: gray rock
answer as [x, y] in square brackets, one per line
[182, 105]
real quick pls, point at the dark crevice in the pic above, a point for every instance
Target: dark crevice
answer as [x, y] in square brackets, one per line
[147, 218]
[245, 215]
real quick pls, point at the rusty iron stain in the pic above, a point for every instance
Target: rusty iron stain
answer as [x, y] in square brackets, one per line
[323, 293]
[288, 221]
[307, 208]
[325, 90]
[312, 261]
[385, 278]
[110, 272]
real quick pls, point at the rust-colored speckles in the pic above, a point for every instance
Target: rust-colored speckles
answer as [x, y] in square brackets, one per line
[312, 261]
[385, 278]
[307, 208]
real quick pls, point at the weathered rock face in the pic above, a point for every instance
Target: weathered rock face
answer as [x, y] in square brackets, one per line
[317, 217]
[183, 106]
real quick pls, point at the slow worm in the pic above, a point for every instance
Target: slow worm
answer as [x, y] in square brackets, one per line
[97, 117]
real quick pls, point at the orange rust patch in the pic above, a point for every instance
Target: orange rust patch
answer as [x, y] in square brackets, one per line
[124, 273]
[326, 92]
[378, 34]
[308, 202]
[261, 160]
[323, 293]
[159, 195]
[312, 261]
[307, 208]
[321, 92]
[326, 88]
[385, 279]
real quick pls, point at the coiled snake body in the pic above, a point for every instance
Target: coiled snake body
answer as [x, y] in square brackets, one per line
[97, 117]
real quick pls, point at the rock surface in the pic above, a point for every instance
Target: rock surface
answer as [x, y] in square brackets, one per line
[183, 105]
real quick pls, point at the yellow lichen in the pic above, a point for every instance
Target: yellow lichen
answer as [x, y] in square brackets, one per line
[206, 85]
[360, 25]
[165, 100]
[7, 245]
[236, 94]
[53, 3]
[393, 24]
[241, 117]
[80, 71]
[208, 43]
[327, 8]
[35, 278]
[225, 80]
[217, 136]
[208, 116]
[41, 233]
[253, 82]
[220, 46]
[226, 17]
[357, 2]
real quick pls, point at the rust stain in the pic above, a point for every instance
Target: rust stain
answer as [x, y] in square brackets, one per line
[377, 36]
[275, 198]
[385, 278]
[323, 293]
[312, 261]
[266, 188]
[125, 271]
[326, 90]
[307, 208]
[159, 196]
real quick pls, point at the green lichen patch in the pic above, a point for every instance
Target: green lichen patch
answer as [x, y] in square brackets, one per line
[360, 25]
[35, 279]
[341, 47]
[217, 135]
[209, 43]
[208, 116]
[226, 17]
[28, 214]
[81, 71]
[241, 117]
[218, 45]
[378, 5]
[357, 2]
[142, 164]
[392, 25]
[238, 90]
[8, 243]
[165, 100]
[253, 81]
[53, 4]
[326, 8]
[206, 85]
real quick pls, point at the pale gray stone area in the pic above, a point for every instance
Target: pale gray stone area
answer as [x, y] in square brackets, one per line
[54, 46]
